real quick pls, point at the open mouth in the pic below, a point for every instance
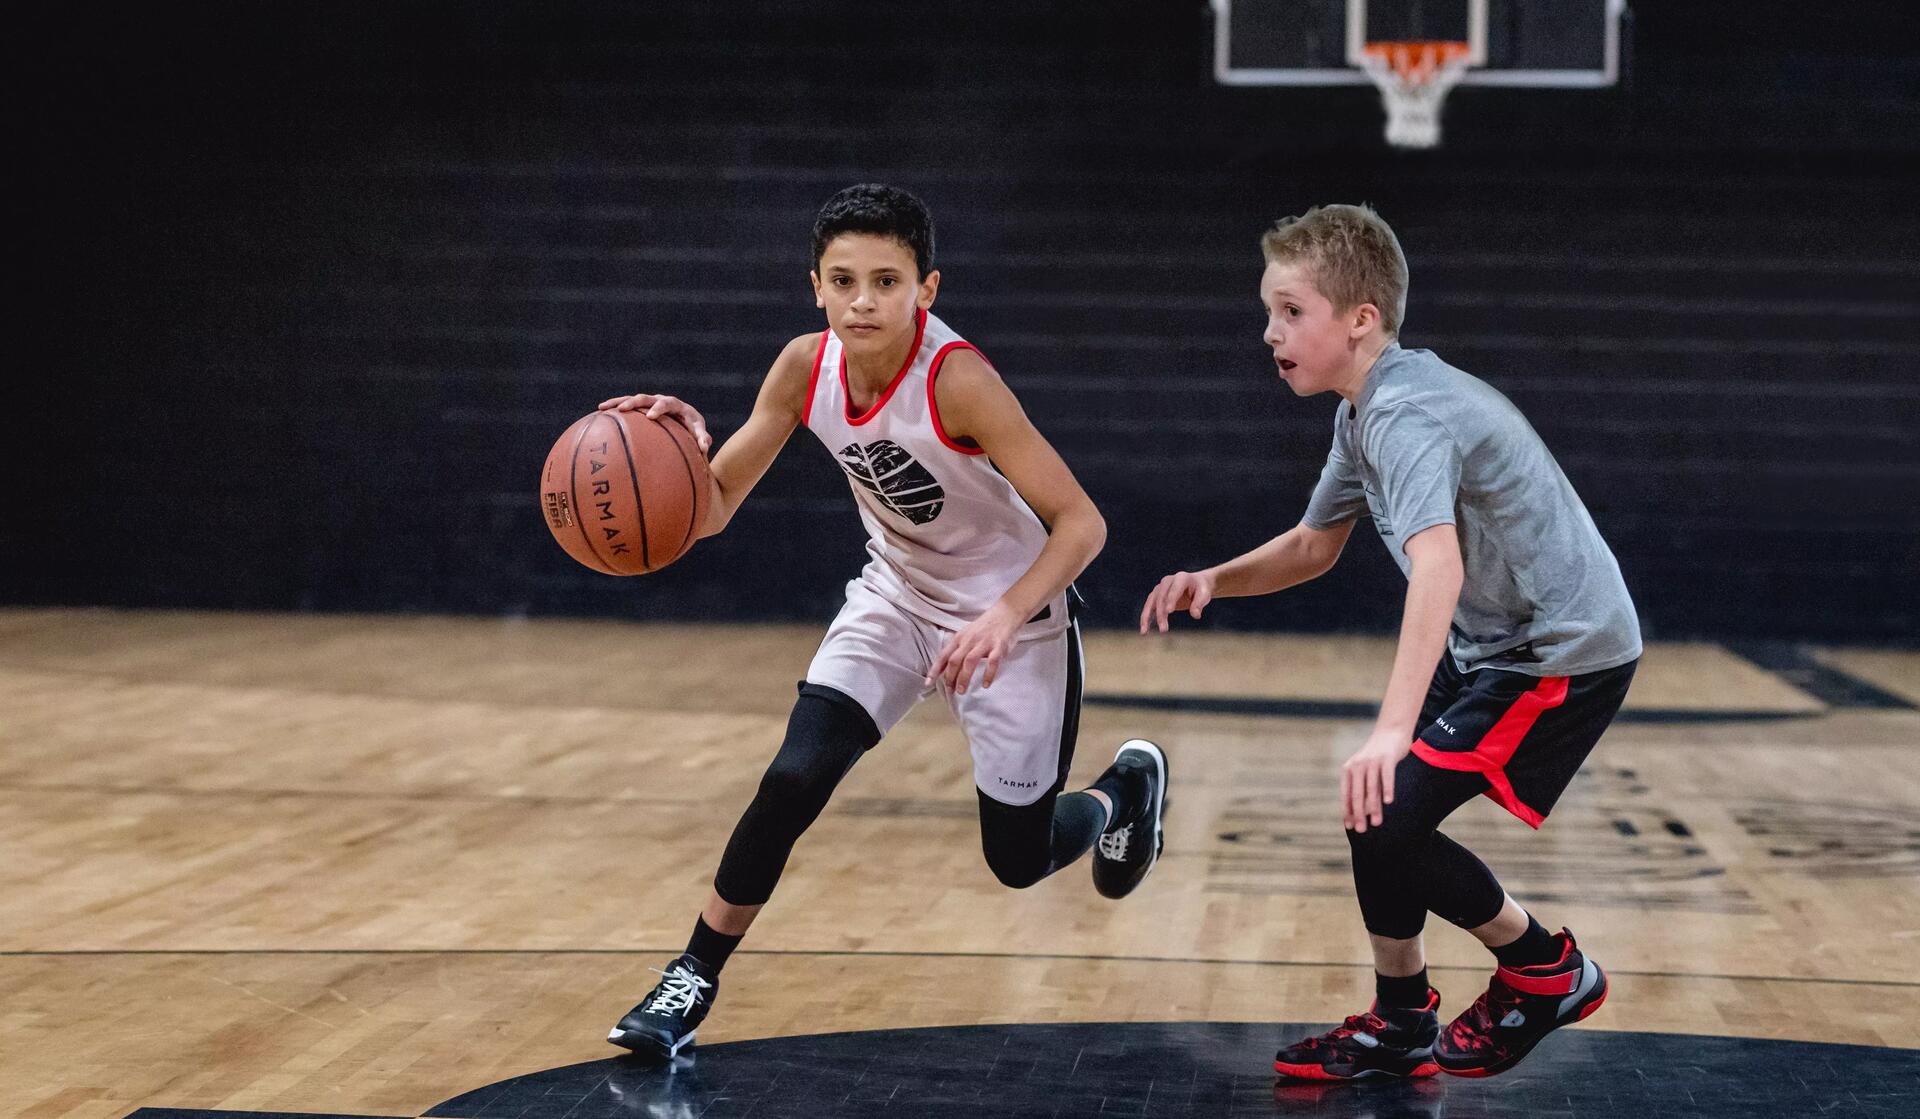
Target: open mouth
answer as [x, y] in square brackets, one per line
[1285, 365]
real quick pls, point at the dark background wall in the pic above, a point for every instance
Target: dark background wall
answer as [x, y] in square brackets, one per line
[309, 289]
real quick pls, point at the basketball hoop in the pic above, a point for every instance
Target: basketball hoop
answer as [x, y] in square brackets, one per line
[1414, 78]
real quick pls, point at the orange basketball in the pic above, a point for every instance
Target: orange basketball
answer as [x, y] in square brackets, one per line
[625, 494]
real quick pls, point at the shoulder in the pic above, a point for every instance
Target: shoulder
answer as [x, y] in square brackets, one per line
[792, 374]
[961, 366]
[797, 358]
[1401, 427]
[970, 401]
[801, 353]
[966, 384]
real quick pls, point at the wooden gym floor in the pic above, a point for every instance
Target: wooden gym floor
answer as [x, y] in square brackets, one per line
[362, 865]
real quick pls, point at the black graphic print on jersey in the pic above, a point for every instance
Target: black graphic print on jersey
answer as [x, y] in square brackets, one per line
[890, 474]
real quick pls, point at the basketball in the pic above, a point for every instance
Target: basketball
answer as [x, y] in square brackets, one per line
[625, 494]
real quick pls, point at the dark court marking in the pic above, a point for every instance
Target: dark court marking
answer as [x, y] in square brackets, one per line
[1347, 709]
[1823, 682]
[1189, 1070]
[670, 952]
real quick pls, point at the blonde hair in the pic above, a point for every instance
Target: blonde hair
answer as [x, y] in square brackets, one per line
[1351, 253]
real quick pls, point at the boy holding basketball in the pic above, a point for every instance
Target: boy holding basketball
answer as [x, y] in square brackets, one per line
[976, 531]
[1511, 591]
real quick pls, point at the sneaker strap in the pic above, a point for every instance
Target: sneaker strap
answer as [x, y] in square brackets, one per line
[1556, 983]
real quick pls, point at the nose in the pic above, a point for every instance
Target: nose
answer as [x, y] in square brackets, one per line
[863, 298]
[1272, 334]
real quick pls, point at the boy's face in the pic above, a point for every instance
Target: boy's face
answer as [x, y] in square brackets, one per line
[1313, 345]
[869, 288]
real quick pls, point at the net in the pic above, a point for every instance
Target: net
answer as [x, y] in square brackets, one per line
[1414, 78]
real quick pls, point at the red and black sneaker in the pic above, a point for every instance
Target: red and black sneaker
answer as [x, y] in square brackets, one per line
[1521, 1005]
[1390, 1042]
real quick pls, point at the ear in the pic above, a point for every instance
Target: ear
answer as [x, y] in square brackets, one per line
[929, 288]
[819, 299]
[1362, 321]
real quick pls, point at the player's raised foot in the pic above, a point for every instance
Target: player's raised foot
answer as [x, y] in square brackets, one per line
[665, 1020]
[1129, 847]
[1394, 1041]
[1521, 1006]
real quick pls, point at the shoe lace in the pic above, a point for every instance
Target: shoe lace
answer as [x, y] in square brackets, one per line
[1492, 1006]
[1356, 1023]
[1113, 844]
[679, 989]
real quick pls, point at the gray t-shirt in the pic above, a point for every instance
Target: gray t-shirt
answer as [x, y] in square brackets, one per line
[1431, 445]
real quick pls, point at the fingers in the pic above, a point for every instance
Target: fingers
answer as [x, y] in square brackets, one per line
[968, 665]
[1183, 590]
[947, 670]
[627, 403]
[939, 667]
[687, 414]
[994, 656]
[1172, 593]
[1347, 814]
[965, 655]
[1387, 770]
[1374, 778]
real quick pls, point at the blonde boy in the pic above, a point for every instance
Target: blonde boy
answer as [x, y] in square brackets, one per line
[1511, 592]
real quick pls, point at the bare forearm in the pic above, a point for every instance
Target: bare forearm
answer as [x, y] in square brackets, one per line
[1433, 591]
[719, 509]
[1072, 542]
[1286, 560]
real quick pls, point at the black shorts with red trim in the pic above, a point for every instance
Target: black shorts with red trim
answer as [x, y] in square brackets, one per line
[1527, 735]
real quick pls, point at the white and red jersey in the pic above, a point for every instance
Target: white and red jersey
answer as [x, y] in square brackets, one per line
[948, 534]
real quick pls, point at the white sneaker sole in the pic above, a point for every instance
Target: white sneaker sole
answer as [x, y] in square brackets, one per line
[647, 1044]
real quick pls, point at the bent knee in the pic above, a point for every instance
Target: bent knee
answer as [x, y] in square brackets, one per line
[1015, 872]
[1389, 839]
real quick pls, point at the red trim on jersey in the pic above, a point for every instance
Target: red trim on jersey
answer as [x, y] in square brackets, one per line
[1492, 753]
[933, 405]
[813, 378]
[919, 331]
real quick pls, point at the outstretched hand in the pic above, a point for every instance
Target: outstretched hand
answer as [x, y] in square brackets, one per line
[1183, 590]
[655, 406]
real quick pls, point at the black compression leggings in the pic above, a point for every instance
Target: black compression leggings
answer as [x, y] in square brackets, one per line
[828, 732]
[1024, 843]
[1405, 866]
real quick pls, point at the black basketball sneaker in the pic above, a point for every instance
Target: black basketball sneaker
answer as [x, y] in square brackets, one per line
[665, 1020]
[1521, 1005]
[1128, 848]
[1395, 1041]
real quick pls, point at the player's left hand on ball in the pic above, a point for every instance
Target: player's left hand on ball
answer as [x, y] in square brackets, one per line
[1366, 779]
[985, 642]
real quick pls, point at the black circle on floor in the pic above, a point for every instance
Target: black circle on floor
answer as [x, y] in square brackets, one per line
[1200, 1070]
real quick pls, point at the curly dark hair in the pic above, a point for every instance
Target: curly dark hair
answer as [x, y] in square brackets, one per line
[880, 209]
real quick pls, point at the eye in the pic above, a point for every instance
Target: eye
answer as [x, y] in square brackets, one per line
[1293, 311]
[888, 281]
[841, 281]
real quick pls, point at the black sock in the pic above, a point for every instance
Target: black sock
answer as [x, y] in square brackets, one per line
[1536, 946]
[709, 947]
[1125, 790]
[1401, 992]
